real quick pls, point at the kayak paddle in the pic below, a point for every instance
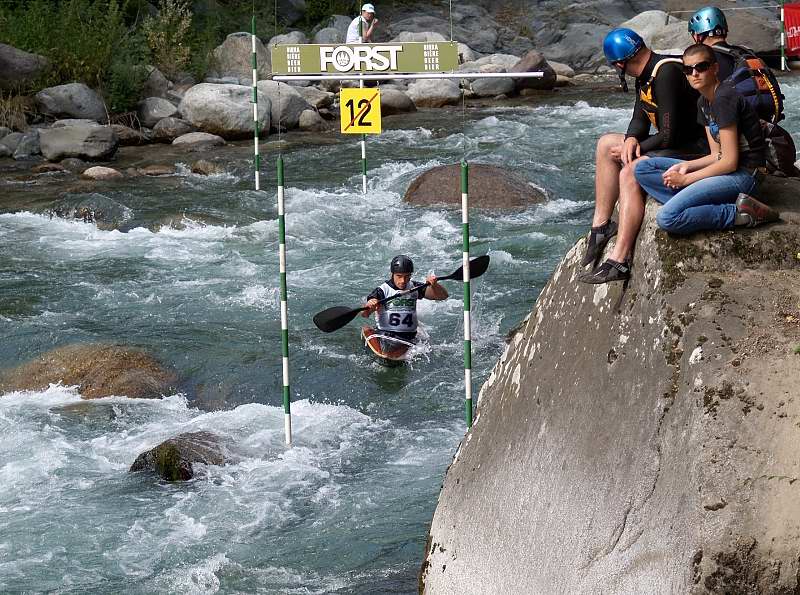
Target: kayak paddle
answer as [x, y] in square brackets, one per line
[335, 318]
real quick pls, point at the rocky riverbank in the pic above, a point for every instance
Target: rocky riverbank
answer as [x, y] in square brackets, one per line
[73, 121]
[639, 437]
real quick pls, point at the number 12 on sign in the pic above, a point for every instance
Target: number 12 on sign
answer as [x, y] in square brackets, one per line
[360, 111]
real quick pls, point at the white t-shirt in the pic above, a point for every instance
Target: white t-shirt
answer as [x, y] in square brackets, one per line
[352, 30]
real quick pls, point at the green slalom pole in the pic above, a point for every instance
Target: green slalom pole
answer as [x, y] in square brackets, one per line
[256, 156]
[363, 136]
[287, 413]
[467, 293]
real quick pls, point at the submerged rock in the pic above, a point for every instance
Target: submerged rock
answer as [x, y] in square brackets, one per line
[98, 172]
[489, 187]
[174, 459]
[204, 167]
[97, 370]
[104, 212]
[639, 434]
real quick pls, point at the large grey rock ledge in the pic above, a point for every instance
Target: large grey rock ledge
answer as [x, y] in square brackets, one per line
[640, 439]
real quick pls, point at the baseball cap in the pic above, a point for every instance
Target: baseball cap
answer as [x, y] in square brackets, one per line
[368, 8]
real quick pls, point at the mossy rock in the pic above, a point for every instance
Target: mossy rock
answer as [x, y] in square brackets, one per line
[174, 459]
[98, 370]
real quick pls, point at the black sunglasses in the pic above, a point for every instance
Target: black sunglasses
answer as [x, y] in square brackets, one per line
[699, 67]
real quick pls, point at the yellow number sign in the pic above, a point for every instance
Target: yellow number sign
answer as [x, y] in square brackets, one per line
[360, 111]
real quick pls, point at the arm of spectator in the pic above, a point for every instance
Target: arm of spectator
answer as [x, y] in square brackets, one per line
[639, 126]
[666, 89]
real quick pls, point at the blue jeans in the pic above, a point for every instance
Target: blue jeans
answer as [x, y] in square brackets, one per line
[706, 204]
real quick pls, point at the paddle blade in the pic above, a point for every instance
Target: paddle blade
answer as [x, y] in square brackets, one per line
[335, 318]
[477, 267]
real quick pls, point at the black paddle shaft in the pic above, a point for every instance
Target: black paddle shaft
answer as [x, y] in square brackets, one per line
[336, 317]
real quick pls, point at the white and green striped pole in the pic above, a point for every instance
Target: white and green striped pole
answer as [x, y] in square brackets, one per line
[287, 413]
[467, 293]
[363, 136]
[784, 66]
[257, 157]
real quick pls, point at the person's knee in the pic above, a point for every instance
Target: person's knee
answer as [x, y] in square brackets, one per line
[606, 142]
[667, 220]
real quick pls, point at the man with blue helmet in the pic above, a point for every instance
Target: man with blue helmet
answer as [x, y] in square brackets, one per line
[748, 73]
[710, 27]
[666, 102]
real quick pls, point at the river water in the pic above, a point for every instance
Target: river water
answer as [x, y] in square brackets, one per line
[193, 280]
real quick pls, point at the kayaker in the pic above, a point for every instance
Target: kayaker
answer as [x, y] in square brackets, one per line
[398, 318]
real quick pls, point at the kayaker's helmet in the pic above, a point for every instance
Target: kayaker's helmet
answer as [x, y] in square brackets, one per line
[401, 264]
[620, 45]
[709, 20]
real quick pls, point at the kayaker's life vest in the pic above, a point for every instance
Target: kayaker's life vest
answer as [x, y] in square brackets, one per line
[754, 81]
[399, 315]
[646, 98]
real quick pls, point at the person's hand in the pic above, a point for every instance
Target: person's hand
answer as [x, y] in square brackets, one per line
[432, 280]
[371, 306]
[631, 150]
[675, 178]
[374, 22]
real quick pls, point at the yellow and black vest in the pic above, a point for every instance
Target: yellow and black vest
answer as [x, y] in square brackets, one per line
[648, 102]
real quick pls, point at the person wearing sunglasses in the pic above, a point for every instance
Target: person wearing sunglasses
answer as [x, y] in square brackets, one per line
[665, 104]
[712, 192]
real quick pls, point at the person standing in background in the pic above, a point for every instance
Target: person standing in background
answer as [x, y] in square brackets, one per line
[360, 30]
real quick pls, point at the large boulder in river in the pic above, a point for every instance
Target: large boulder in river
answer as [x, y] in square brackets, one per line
[534, 61]
[394, 101]
[315, 97]
[491, 87]
[234, 58]
[640, 436]
[18, 68]
[90, 142]
[73, 100]
[225, 110]
[489, 187]
[153, 109]
[286, 104]
[434, 93]
[174, 459]
[659, 32]
[106, 213]
[97, 370]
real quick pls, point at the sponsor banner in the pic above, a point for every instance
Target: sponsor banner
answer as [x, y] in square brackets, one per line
[791, 20]
[409, 57]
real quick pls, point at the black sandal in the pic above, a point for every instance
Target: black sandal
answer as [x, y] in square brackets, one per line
[610, 270]
[598, 238]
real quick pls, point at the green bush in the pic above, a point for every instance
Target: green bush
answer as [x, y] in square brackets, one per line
[127, 74]
[167, 35]
[78, 36]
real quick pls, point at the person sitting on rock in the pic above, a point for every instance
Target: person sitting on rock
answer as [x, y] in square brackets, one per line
[749, 74]
[361, 28]
[664, 101]
[711, 192]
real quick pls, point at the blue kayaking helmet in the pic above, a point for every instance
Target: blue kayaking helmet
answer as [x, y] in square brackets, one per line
[621, 45]
[709, 21]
